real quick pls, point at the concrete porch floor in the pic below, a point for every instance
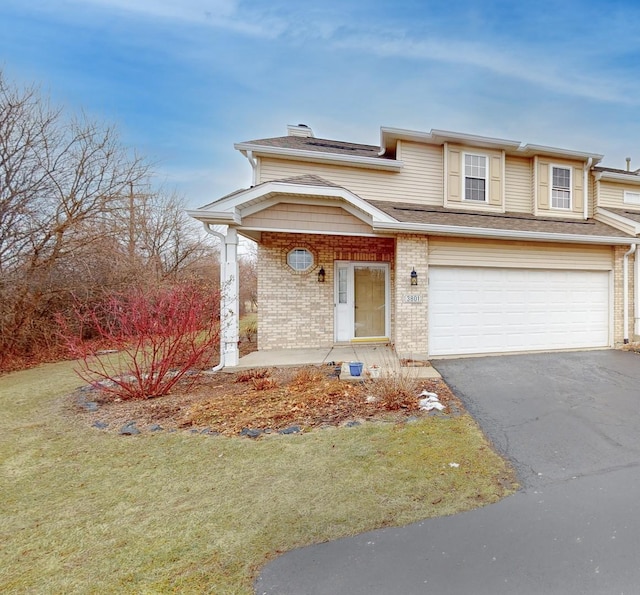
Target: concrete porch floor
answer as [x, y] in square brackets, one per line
[382, 355]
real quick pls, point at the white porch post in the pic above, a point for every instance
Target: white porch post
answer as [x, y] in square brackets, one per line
[230, 304]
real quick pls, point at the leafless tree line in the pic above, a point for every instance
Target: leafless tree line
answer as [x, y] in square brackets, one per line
[79, 216]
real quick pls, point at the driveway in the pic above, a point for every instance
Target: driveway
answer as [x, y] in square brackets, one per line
[570, 423]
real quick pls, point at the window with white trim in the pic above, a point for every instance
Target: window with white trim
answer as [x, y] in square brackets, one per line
[475, 177]
[300, 259]
[631, 198]
[560, 187]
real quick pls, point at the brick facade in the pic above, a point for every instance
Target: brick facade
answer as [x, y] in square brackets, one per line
[618, 295]
[411, 316]
[295, 311]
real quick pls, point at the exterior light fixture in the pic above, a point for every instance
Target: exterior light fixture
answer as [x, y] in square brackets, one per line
[414, 277]
[321, 275]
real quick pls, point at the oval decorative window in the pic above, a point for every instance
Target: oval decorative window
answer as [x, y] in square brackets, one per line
[300, 259]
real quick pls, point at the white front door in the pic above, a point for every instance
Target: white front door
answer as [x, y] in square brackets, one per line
[361, 301]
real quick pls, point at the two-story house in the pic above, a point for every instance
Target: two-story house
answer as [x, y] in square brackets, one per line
[438, 242]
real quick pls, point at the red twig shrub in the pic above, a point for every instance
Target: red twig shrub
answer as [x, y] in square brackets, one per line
[159, 337]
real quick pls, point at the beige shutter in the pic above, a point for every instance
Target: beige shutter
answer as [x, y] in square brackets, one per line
[495, 179]
[578, 189]
[454, 175]
[543, 184]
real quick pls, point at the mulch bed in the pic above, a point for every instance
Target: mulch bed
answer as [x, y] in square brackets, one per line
[270, 400]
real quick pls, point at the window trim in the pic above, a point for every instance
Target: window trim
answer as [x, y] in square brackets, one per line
[553, 166]
[308, 251]
[486, 178]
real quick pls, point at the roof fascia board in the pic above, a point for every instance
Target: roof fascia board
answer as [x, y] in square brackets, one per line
[215, 217]
[613, 176]
[256, 229]
[618, 221]
[482, 232]
[320, 157]
[389, 136]
[530, 150]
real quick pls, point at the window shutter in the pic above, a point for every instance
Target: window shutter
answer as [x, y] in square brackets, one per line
[543, 185]
[495, 180]
[578, 190]
[454, 176]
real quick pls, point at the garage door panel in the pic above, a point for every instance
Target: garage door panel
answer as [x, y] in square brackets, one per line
[492, 310]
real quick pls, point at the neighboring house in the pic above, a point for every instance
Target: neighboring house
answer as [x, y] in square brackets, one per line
[440, 243]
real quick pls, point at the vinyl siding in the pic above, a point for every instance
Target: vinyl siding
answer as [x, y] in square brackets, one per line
[299, 217]
[518, 184]
[420, 180]
[492, 253]
[612, 195]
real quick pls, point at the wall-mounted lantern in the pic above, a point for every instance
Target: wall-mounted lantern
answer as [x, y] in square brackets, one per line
[414, 277]
[321, 275]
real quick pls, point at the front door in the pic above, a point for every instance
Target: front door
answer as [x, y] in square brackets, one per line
[361, 300]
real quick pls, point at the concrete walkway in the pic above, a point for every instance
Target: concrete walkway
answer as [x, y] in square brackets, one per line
[569, 422]
[369, 354]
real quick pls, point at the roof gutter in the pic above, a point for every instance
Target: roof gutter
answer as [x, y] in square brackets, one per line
[321, 157]
[509, 234]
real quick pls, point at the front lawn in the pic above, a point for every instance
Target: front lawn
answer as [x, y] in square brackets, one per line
[86, 510]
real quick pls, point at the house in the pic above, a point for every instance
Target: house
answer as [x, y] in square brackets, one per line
[439, 242]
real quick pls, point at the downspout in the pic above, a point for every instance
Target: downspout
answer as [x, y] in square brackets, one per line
[254, 166]
[221, 237]
[585, 184]
[625, 289]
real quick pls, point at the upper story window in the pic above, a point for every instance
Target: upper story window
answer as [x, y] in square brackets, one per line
[631, 198]
[560, 187]
[475, 177]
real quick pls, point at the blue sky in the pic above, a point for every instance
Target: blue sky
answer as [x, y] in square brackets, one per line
[185, 79]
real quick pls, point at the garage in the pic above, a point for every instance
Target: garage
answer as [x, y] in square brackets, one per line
[475, 310]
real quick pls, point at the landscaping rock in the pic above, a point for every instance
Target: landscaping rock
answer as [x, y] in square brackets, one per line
[101, 425]
[290, 430]
[352, 424]
[210, 432]
[155, 428]
[129, 429]
[250, 433]
[90, 406]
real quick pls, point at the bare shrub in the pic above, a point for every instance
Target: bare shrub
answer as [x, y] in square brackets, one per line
[160, 336]
[307, 376]
[397, 390]
[265, 383]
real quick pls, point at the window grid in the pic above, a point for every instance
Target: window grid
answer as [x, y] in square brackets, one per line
[300, 259]
[475, 180]
[561, 188]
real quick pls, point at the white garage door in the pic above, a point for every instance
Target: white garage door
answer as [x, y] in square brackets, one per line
[485, 310]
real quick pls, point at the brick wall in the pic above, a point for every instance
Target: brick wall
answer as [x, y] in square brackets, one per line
[294, 310]
[618, 296]
[411, 316]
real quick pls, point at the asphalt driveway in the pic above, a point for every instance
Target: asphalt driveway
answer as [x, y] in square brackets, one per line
[570, 423]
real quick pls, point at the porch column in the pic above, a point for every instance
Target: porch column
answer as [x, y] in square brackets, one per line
[229, 307]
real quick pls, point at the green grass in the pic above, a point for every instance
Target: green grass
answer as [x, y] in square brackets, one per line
[85, 511]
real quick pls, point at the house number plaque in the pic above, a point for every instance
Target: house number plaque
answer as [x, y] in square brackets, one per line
[414, 298]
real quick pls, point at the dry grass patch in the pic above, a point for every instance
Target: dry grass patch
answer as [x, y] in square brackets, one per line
[91, 511]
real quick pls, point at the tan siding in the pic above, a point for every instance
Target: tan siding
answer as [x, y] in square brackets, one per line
[612, 195]
[296, 217]
[519, 184]
[420, 180]
[491, 253]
